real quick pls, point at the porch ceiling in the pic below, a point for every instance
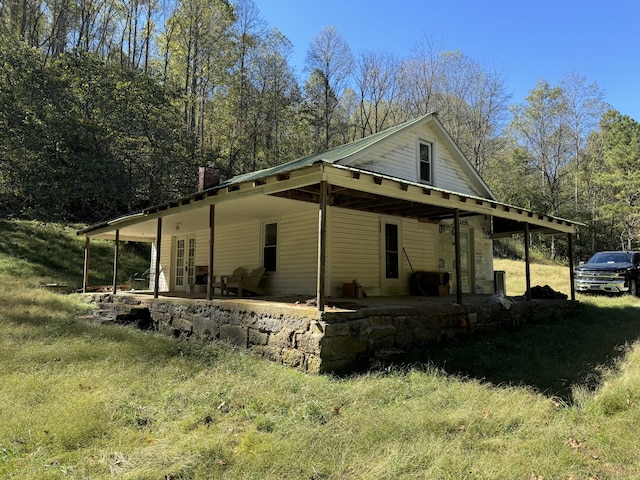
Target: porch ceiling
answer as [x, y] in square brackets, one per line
[349, 198]
[187, 221]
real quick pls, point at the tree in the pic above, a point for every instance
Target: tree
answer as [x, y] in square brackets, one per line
[473, 104]
[418, 80]
[198, 53]
[542, 130]
[277, 96]
[621, 174]
[25, 112]
[470, 100]
[330, 62]
[585, 106]
[375, 78]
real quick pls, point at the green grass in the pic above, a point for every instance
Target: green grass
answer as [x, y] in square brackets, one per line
[43, 253]
[553, 401]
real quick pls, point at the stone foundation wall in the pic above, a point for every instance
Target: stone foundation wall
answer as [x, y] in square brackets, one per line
[367, 338]
[282, 335]
[337, 341]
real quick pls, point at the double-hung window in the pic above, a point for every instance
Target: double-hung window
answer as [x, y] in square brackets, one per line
[270, 251]
[425, 162]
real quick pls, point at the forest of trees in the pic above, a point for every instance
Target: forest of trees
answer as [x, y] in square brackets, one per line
[108, 106]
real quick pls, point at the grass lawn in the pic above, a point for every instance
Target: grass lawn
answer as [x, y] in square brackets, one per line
[552, 401]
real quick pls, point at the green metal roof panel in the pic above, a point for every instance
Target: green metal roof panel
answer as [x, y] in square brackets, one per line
[332, 156]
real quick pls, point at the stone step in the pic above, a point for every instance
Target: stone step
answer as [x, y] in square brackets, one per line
[119, 314]
[99, 317]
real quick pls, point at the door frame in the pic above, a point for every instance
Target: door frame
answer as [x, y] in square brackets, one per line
[189, 259]
[390, 286]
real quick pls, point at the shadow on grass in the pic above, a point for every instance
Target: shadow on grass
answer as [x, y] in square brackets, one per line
[550, 357]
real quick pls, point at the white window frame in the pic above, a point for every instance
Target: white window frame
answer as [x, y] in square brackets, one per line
[431, 146]
[263, 240]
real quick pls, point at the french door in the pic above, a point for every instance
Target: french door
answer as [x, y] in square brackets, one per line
[185, 262]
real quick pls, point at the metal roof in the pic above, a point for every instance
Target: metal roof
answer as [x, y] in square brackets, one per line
[332, 157]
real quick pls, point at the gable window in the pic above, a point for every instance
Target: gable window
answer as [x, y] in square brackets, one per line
[270, 250]
[425, 162]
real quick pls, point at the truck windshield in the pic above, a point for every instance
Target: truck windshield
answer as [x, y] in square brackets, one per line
[611, 257]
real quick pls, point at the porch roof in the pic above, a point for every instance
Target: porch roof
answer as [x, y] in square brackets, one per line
[261, 194]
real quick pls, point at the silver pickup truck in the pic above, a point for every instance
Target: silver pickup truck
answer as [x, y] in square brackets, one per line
[609, 272]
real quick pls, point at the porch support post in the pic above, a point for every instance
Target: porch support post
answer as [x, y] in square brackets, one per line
[572, 287]
[116, 256]
[456, 220]
[156, 280]
[85, 272]
[210, 277]
[527, 261]
[322, 245]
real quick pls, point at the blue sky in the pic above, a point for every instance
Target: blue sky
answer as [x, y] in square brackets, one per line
[524, 40]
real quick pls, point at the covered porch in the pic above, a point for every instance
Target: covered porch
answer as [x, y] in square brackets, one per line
[317, 188]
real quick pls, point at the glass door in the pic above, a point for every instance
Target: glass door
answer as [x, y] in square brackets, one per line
[185, 262]
[390, 242]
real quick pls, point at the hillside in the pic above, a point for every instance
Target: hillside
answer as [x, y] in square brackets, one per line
[553, 401]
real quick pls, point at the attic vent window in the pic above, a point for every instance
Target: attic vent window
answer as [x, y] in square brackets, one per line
[425, 162]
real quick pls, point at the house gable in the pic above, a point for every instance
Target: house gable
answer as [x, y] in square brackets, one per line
[397, 155]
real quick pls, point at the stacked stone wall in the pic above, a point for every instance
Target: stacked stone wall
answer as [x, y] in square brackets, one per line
[336, 341]
[367, 338]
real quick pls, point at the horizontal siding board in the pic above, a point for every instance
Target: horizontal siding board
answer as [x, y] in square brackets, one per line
[398, 157]
[236, 245]
[355, 251]
[298, 255]
[420, 244]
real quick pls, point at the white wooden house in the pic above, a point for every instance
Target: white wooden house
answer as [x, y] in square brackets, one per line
[375, 210]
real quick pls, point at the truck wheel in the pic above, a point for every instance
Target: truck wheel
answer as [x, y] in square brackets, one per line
[633, 288]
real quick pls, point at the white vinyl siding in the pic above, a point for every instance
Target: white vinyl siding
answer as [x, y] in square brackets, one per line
[396, 158]
[419, 241]
[165, 264]
[236, 245]
[240, 245]
[298, 256]
[399, 157]
[202, 248]
[355, 250]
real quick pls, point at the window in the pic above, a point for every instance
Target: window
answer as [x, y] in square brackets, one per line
[425, 162]
[270, 247]
[391, 250]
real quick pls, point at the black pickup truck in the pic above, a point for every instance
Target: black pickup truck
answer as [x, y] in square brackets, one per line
[609, 272]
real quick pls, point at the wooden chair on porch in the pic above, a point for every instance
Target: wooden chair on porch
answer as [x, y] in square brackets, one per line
[246, 283]
[233, 278]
